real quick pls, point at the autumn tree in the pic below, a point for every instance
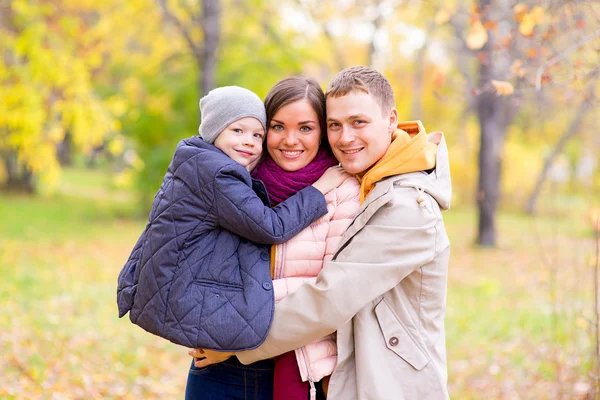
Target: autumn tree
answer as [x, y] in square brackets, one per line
[513, 47]
[199, 25]
[50, 51]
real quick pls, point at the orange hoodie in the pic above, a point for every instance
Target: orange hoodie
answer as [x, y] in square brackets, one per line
[410, 151]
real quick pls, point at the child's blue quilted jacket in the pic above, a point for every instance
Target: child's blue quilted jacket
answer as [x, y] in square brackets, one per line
[199, 274]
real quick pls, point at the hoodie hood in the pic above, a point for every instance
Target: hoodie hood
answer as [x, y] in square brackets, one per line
[438, 183]
[410, 151]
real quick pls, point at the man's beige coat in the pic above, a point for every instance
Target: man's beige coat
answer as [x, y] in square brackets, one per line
[384, 292]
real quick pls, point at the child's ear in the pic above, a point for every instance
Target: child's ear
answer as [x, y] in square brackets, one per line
[393, 118]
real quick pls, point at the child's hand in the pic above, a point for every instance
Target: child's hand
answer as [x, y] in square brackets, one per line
[204, 358]
[331, 179]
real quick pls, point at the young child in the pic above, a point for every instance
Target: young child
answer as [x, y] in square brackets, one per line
[199, 275]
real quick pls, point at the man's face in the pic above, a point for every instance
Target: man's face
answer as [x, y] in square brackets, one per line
[358, 132]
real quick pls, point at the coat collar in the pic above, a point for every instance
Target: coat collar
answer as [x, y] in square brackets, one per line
[382, 193]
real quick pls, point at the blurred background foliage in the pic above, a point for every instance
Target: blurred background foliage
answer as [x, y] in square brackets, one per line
[120, 82]
[94, 97]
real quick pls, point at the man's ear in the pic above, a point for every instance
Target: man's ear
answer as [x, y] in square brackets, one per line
[393, 118]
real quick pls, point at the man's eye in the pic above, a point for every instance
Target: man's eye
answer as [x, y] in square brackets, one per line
[334, 125]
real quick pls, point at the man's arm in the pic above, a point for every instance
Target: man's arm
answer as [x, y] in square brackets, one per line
[397, 240]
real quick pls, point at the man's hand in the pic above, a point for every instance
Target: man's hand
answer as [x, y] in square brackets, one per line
[204, 358]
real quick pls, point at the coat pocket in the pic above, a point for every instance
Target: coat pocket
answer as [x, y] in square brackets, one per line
[218, 285]
[399, 339]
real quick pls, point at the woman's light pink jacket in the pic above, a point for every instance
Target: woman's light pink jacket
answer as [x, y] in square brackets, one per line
[301, 259]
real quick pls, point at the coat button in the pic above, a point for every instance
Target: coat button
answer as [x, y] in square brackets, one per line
[267, 285]
[393, 341]
[264, 256]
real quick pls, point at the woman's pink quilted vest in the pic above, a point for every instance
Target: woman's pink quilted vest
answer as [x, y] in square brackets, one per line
[301, 259]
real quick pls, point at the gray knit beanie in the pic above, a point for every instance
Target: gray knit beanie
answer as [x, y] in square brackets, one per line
[225, 105]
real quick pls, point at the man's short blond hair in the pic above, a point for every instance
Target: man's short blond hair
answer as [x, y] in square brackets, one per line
[364, 79]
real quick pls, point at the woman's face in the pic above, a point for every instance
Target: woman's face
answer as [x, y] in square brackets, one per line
[294, 135]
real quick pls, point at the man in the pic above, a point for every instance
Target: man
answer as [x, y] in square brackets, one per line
[385, 289]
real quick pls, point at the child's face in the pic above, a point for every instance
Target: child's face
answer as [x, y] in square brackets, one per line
[242, 140]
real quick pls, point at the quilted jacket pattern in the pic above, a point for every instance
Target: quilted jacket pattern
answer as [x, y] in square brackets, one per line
[199, 275]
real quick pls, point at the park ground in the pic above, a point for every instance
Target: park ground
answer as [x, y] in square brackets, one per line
[519, 317]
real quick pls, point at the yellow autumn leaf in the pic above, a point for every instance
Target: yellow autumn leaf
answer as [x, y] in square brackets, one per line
[123, 179]
[537, 14]
[520, 8]
[442, 16]
[137, 163]
[477, 36]
[56, 133]
[520, 11]
[503, 88]
[518, 69]
[116, 146]
[117, 105]
[50, 177]
[582, 323]
[527, 25]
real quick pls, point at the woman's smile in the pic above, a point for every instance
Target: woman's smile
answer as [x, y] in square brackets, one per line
[291, 154]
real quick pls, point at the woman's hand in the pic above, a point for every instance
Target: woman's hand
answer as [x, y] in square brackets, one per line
[331, 179]
[204, 358]
[253, 164]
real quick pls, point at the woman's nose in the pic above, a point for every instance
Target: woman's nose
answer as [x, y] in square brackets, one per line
[291, 138]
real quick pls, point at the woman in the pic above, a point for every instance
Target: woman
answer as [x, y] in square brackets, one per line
[298, 154]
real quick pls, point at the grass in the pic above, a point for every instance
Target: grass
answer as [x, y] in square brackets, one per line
[517, 319]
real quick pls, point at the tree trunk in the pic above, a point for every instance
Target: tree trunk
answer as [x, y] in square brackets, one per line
[205, 54]
[491, 113]
[20, 179]
[585, 105]
[495, 114]
[64, 151]
[417, 92]
[372, 49]
[211, 13]
[416, 109]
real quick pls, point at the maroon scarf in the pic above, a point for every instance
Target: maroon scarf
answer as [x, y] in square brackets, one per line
[283, 184]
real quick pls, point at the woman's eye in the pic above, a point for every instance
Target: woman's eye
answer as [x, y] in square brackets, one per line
[305, 129]
[277, 127]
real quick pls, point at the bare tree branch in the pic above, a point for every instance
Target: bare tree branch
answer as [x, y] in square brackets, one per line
[338, 55]
[210, 23]
[417, 100]
[271, 32]
[377, 23]
[196, 17]
[196, 49]
[562, 55]
[574, 127]
[458, 23]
